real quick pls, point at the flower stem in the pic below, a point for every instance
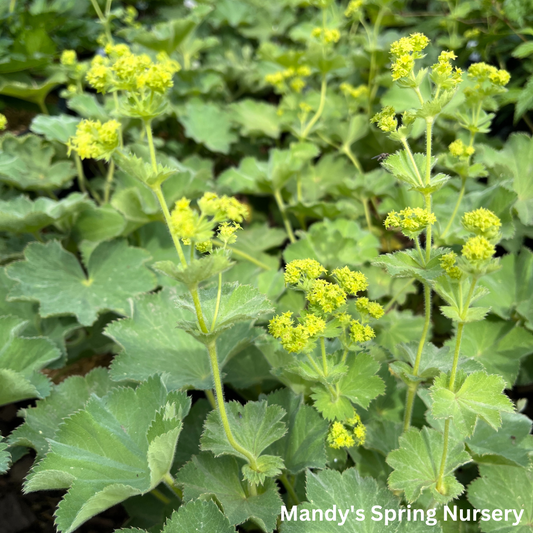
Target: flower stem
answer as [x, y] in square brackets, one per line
[324, 357]
[316, 116]
[397, 294]
[411, 157]
[219, 393]
[150, 138]
[217, 306]
[244, 255]
[286, 221]
[211, 398]
[289, 488]
[459, 200]
[367, 215]
[81, 174]
[170, 482]
[109, 181]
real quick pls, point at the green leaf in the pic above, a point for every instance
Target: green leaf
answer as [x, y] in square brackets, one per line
[197, 270]
[359, 385]
[23, 86]
[402, 167]
[58, 128]
[303, 445]
[255, 426]
[5, 457]
[256, 118]
[238, 303]
[98, 224]
[477, 395]
[513, 488]
[345, 493]
[26, 163]
[498, 346]
[398, 327]
[182, 360]
[55, 278]
[221, 477]
[417, 463]
[116, 447]
[21, 359]
[334, 244]
[87, 106]
[143, 170]
[208, 124]
[42, 421]
[22, 215]
[509, 445]
[409, 264]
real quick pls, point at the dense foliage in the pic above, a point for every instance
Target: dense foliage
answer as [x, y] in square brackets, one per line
[268, 255]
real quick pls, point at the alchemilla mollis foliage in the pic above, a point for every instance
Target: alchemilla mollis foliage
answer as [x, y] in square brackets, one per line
[266, 266]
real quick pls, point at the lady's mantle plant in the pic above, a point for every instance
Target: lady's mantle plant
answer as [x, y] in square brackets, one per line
[327, 380]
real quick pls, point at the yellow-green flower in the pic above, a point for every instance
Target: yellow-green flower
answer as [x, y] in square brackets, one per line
[448, 263]
[411, 220]
[501, 77]
[478, 248]
[325, 295]
[314, 324]
[184, 220]
[366, 307]
[303, 269]
[354, 8]
[99, 76]
[459, 149]
[351, 282]
[402, 67]
[226, 232]
[360, 332]
[68, 58]
[386, 119]
[3, 122]
[339, 437]
[293, 339]
[482, 222]
[94, 140]
[204, 247]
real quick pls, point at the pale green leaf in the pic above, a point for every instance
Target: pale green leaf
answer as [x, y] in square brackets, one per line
[476, 395]
[208, 124]
[5, 457]
[98, 224]
[398, 327]
[221, 477]
[256, 118]
[238, 303]
[498, 346]
[116, 447]
[407, 170]
[55, 278]
[303, 445]
[509, 445]
[153, 345]
[417, 463]
[198, 516]
[334, 243]
[409, 264]
[504, 487]
[26, 163]
[346, 493]
[22, 215]
[255, 426]
[42, 421]
[55, 128]
[21, 359]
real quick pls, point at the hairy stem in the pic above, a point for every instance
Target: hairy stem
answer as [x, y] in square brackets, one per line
[217, 306]
[289, 488]
[109, 181]
[321, 104]
[244, 255]
[81, 174]
[170, 482]
[284, 216]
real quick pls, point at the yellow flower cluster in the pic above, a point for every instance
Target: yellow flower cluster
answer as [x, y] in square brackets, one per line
[459, 149]
[482, 72]
[386, 119]
[296, 76]
[351, 282]
[339, 436]
[448, 263]
[124, 71]
[404, 52]
[189, 225]
[361, 333]
[444, 74]
[94, 140]
[3, 122]
[478, 248]
[482, 222]
[353, 9]
[411, 220]
[68, 58]
[326, 36]
[354, 92]
[327, 296]
[295, 338]
[366, 307]
[303, 269]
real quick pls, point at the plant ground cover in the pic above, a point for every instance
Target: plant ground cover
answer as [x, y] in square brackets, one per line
[260, 260]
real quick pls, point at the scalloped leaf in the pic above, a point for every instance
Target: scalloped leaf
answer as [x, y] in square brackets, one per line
[408, 264]
[42, 421]
[405, 169]
[417, 462]
[5, 457]
[220, 477]
[26, 163]
[22, 215]
[116, 447]
[255, 426]
[182, 360]
[21, 359]
[346, 493]
[238, 303]
[58, 128]
[478, 395]
[54, 277]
